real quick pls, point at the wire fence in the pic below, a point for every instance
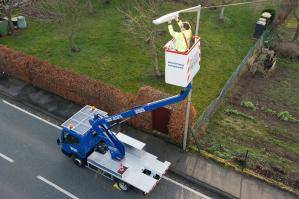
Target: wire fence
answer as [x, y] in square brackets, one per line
[203, 120]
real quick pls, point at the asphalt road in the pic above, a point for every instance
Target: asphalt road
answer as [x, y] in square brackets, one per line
[32, 166]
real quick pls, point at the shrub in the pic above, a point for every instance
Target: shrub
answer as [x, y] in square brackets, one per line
[288, 49]
[248, 104]
[286, 116]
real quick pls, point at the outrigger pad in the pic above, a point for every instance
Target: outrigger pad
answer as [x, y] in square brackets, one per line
[122, 171]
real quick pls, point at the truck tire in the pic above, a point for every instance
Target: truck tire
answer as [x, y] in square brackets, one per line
[123, 186]
[79, 162]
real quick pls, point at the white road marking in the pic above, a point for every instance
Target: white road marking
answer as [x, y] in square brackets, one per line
[58, 127]
[32, 115]
[6, 158]
[187, 188]
[57, 187]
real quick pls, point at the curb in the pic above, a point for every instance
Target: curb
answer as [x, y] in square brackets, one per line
[200, 183]
[53, 117]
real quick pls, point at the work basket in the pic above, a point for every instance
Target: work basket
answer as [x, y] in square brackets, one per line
[181, 67]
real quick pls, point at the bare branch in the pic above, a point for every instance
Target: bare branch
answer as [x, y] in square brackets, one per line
[139, 22]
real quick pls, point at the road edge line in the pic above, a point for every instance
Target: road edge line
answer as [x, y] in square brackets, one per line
[185, 187]
[31, 114]
[6, 158]
[57, 187]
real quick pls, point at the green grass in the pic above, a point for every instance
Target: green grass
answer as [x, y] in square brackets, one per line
[229, 135]
[111, 54]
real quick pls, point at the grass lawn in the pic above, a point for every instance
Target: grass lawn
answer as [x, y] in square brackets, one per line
[273, 144]
[111, 54]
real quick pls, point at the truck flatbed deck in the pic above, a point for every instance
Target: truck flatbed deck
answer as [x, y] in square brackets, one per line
[142, 170]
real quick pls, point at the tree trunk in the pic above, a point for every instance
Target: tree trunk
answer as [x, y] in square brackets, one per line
[297, 31]
[154, 53]
[221, 17]
[89, 6]
[73, 45]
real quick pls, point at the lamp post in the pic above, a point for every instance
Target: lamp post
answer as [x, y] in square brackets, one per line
[169, 17]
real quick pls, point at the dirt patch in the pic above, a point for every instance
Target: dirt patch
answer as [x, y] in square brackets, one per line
[271, 95]
[263, 92]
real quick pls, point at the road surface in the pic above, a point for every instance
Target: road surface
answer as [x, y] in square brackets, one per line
[32, 166]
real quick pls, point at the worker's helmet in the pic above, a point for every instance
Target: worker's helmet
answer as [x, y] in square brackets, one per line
[185, 25]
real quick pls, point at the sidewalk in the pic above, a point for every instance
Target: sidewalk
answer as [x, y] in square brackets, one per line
[185, 164]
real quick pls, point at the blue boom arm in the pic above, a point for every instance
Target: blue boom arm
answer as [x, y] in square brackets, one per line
[115, 146]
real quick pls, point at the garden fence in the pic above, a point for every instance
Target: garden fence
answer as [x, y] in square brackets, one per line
[202, 121]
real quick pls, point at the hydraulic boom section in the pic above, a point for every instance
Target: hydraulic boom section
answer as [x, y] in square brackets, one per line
[102, 125]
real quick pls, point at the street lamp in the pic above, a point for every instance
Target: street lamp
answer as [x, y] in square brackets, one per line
[165, 19]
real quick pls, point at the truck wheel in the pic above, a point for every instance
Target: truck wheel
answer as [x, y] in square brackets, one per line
[79, 162]
[123, 186]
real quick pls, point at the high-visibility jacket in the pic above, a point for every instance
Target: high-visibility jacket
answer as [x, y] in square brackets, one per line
[182, 39]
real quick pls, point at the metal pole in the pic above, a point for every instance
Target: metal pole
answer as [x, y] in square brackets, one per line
[197, 22]
[190, 93]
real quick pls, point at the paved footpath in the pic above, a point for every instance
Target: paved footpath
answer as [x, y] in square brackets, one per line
[199, 170]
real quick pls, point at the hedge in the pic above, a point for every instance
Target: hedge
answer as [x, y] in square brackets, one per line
[83, 90]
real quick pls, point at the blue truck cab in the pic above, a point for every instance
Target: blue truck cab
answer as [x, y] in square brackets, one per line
[81, 135]
[73, 143]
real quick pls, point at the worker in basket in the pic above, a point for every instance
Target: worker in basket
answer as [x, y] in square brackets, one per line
[181, 42]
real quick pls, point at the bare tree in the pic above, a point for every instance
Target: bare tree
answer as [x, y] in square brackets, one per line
[221, 16]
[7, 7]
[73, 11]
[139, 22]
[89, 7]
[66, 12]
[296, 14]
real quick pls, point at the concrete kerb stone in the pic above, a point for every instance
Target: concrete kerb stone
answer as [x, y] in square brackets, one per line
[200, 183]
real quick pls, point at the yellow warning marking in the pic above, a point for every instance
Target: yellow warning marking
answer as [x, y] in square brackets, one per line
[115, 186]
